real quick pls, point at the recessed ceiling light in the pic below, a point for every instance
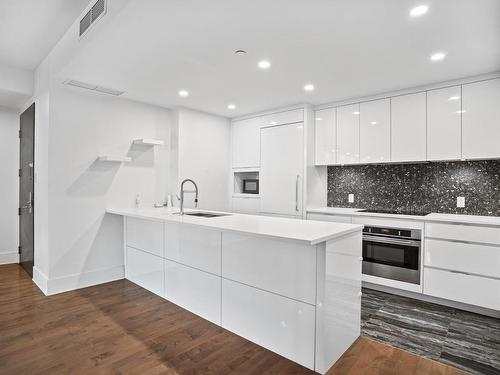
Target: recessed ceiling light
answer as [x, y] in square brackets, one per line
[438, 56]
[183, 93]
[319, 119]
[231, 106]
[240, 52]
[309, 87]
[454, 97]
[264, 64]
[355, 113]
[419, 11]
[373, 122]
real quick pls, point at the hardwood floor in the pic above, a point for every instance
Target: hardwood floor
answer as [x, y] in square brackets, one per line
[120, 328]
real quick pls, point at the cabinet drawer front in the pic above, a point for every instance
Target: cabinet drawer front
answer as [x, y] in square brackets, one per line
[334, 218]
[472, 258]
[193, 246]
[194, 290]
[281, 118]
[145, 270]
[474, 290]
[457, 232]
[246, 205]
[146, 235]
[283, 267]
[277, 323]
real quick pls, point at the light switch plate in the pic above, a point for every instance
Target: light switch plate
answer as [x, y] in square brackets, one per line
[460, 202]
[351, 198]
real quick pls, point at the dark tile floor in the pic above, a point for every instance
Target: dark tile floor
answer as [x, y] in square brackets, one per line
[465, 340]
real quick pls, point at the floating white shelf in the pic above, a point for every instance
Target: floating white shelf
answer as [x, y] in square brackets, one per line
[114, 158]
[149, 142]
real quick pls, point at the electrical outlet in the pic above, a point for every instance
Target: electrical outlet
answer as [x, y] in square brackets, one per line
[460, 202]
[351, 198]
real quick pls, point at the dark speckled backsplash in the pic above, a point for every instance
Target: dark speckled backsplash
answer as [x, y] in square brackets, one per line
[432, 187]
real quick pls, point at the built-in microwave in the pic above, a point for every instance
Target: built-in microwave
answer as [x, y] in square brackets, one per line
[251, 186]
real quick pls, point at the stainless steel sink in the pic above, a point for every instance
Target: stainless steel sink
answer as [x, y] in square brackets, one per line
[202, 214]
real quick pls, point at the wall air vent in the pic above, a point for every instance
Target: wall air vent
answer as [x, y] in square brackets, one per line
[92, 87]
[96, 12]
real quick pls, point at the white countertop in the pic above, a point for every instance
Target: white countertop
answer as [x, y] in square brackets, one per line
[433, 217]
[309, 231]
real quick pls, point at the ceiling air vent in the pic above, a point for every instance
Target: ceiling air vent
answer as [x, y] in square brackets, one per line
[97, 10]
[92, 87]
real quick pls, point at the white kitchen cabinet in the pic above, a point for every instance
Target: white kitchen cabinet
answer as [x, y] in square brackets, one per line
[281, 118]
[463, 232]
[145, 270]
[333, 218]
[375, 131]
[348, 134]
[146, 235]
[481, 119]
[325, 122]
[280, 324]
[193, 246]
[246, 205]
[288, 269]
[194, 290]
[281, 170]
[444, 124]
[246, 143]
[408, 127]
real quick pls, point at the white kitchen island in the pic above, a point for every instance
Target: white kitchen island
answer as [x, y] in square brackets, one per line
[291, 286]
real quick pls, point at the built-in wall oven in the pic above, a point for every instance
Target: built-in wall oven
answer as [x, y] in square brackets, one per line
[392, 253]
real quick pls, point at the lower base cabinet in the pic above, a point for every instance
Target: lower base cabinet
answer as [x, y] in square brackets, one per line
[280, 324]
[194, 290]
[145, 270]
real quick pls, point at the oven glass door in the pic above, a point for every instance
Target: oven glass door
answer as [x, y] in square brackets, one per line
[403, 255]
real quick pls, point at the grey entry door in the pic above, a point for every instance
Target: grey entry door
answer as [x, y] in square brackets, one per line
[26, 189]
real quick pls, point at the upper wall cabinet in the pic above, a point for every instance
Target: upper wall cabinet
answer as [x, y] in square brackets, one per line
[481, 119]
[444, 124]
[325, 136]
[281, 118]
[375, 130]
[348, 134]
[246, 143]
[408, 127]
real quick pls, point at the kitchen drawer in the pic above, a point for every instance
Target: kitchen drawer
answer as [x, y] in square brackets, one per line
[194, 290]
[246, 205]
[193, 246]
[282, 325]
[333, 218]
[145, 235]
[474, 290]
[466, 257]
[459, 232]
[145, 270]
[281, 118]
[284, 267]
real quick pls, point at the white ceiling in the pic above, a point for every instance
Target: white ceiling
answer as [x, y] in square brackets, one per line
[347, 48]
[30, 28]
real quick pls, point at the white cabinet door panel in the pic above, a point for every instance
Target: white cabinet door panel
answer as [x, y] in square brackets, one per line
[246, 143]
[458, 232]
[325, 121]
[281, 118]
[481, 119]
[246, 205]
[193, 246]
[444, 124]
[286, 268]
[145, 270]
[474, 290]
[408, 127]
[375, 131]
[194, 290]
[281, 172]
[348, 134]
[466, 257]
[279, 324]
[146, 235]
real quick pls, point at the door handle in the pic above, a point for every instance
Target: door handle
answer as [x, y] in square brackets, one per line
[297, 194]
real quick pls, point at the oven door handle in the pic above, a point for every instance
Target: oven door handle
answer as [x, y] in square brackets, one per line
[394, 241]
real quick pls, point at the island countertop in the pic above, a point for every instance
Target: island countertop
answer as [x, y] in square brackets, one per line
[312, 232]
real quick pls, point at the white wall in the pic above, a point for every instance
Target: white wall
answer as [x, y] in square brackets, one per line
[85, 244]
[9, 185]
[201, 151]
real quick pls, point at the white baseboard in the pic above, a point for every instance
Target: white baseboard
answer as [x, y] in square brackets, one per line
[72, 282]
[8, 258]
